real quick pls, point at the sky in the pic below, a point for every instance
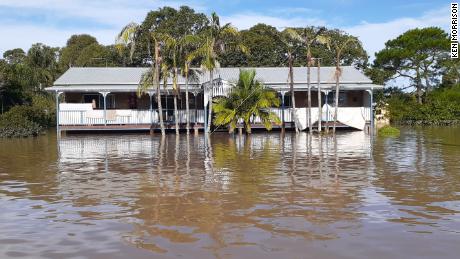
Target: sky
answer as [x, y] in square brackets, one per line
[52, 22]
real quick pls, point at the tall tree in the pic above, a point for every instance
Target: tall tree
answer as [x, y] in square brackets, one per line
[166, 20]
[43, 60]
[71, 52]
[128, 37]
[14, 56]
[308, 36]
[214, 43]
[340, 44]
[415, 55]
[291, 44]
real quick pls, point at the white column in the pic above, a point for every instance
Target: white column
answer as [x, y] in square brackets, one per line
[371, 106]
[104, 95]
[326, 93]
[282, 107]
[58, 132]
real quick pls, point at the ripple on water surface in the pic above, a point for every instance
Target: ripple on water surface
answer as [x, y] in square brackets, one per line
[263, 196]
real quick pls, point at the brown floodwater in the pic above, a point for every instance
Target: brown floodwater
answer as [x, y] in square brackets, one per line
[262, 196]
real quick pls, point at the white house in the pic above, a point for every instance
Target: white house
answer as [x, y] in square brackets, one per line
[106, 98]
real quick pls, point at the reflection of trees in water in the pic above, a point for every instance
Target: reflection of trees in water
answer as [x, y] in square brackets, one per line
[417, 175]
[282, 187]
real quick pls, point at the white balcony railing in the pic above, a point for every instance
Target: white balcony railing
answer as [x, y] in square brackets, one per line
[120, 117]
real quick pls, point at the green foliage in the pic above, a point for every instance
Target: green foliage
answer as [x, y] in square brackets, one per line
[23, 121]
[249, 98]
[441, 106]
[166, 20]
[416, 55]
[84, 51]
[389, 131]
[14, 56]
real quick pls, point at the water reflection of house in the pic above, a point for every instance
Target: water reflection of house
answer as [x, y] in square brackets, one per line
[261, 183]
[105, 98]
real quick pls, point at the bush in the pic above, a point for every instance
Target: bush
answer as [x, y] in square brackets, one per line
[388, 131]
[23, 121]
[440, 107]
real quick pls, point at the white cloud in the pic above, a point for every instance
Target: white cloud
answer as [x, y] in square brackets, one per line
[111, 14]
[23, 36]
[247, 20]
[374, 35]
[114, 14]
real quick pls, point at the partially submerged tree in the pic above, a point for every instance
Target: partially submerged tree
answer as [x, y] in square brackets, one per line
[340, 43]
[214, 42]
[152, 77]
[308, 36]
[248, 99]
[291, 44]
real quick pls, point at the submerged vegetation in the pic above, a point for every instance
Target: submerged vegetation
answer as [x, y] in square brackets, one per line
[440, 106]
[171, 41]
[388, 131]
[26, 120]
[247, 100]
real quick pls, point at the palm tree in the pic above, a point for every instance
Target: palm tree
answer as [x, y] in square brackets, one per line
[172, 49]
[128, 38]
[320, 109]
[213, 43]
[187, 106]
[189, 75]
[339, 44]
[307, 37]
[248, 99]
[290, 42]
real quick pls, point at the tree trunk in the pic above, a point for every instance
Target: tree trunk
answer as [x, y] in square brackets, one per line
[337, 84]
[176, 93]
[211, 78]
[248, 127]
[310, 126]
[176, 115]
[419, 86]
[187, 107]
[157, 82]
[291, 88]
[320, 109]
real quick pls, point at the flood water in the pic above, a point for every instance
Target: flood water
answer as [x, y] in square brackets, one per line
[263, 196]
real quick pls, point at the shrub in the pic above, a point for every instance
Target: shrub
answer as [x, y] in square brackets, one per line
[441, 106]
[23, 121]
[388, 131]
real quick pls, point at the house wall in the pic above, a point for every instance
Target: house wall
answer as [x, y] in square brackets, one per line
[301, 99]
[352, 99]
[122, 100]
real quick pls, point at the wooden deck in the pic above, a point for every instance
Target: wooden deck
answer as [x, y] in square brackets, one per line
[124, 127]
[168, 126]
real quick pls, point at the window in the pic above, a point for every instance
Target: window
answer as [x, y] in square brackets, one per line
[342, 98]
[98, 100]
[287, 100]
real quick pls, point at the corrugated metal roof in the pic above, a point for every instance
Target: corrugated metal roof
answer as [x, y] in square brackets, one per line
[268, 75]
[279, 75]
[101, 76]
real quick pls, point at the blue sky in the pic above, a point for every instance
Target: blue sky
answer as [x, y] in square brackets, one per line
[23, 22]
